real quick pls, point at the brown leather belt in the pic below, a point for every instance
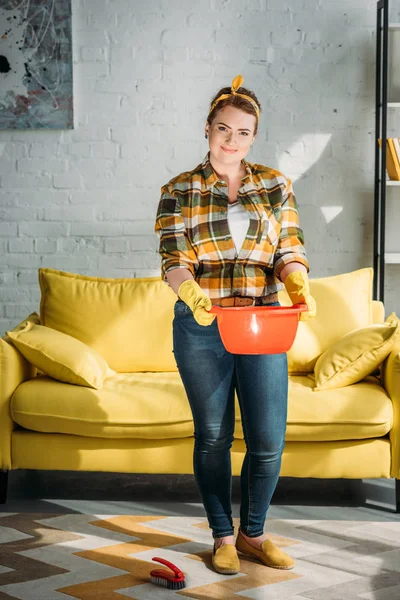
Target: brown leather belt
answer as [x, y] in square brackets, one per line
[245, 300]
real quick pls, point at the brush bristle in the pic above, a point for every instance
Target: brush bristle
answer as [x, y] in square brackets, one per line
[171, 585]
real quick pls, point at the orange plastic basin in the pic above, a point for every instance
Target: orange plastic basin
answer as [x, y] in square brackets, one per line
[258, 329]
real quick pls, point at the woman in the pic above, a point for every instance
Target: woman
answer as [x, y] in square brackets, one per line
[229, 236]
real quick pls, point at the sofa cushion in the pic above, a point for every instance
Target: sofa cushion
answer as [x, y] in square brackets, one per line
[129, 405]
[127, 321]
[154, 406]
[344, 303]
[59, 355]
[359, 411]
[356, 355]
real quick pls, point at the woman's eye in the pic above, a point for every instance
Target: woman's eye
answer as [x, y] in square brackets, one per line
[222, 128]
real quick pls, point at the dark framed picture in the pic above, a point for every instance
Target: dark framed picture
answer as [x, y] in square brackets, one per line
[36, 87]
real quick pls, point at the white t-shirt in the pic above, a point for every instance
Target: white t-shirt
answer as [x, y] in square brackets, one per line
[238, 221]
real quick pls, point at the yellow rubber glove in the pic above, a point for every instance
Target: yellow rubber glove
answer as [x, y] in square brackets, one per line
[298, 288]
[192, 294]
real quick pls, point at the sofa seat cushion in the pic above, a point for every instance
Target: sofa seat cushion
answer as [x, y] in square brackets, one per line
[154, 406]
[129, 405]
[359, 411]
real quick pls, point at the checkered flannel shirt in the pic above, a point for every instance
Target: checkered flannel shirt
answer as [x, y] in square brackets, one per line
[193, 230]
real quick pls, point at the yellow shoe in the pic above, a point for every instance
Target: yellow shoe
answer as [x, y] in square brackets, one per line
[225, 559]
[270, 555]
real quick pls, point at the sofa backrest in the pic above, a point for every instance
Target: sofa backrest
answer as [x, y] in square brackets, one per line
[129, 321]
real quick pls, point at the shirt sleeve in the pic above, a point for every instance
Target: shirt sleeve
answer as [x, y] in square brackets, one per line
[291, 240]
[175, 248]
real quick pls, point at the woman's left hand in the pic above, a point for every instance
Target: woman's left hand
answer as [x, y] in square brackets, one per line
[298, 288]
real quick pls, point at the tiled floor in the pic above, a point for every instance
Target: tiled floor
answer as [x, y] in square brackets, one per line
[110, 493]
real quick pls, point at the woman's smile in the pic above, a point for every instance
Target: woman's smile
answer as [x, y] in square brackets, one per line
[228, 150]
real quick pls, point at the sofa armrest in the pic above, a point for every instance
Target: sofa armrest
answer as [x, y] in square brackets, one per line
[14, 370]
[390, 378]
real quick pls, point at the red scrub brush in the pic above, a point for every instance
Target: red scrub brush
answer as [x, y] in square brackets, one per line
[163, 577]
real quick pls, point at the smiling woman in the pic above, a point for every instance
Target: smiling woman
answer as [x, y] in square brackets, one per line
[231, 127]
[230, 134]
[229, 234]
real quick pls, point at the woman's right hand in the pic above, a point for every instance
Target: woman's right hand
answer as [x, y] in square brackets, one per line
[192, 294]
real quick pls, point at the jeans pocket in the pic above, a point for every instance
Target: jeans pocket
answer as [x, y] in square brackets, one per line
[180, 308]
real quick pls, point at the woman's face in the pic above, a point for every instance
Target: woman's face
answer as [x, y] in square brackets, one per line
[231, 134]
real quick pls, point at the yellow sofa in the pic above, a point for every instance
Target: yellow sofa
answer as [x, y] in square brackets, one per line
[139, 420]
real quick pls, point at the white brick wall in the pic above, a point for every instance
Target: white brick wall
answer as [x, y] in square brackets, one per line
[144, 73]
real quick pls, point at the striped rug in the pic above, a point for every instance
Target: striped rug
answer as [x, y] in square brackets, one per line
[98, 557]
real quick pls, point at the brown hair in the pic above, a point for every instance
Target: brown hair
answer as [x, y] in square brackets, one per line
[237, 102]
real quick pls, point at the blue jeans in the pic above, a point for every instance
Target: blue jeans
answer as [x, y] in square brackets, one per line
[210, 376]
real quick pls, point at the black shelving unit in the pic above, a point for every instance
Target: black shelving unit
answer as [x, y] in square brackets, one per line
[381, 103]
[381, 258]
[382, 37]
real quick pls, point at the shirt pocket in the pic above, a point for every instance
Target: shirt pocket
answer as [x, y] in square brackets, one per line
[272, 224]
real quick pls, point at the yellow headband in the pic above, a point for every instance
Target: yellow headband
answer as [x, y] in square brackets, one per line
[236, 83]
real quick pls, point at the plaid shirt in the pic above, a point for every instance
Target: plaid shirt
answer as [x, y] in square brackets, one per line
[193, 229]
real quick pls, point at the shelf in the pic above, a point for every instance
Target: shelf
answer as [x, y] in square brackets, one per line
[393, 104]
[394, 26]
[392, 182]
[392, 258]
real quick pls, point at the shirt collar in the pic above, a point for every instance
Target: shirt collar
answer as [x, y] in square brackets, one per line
[211, 178]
